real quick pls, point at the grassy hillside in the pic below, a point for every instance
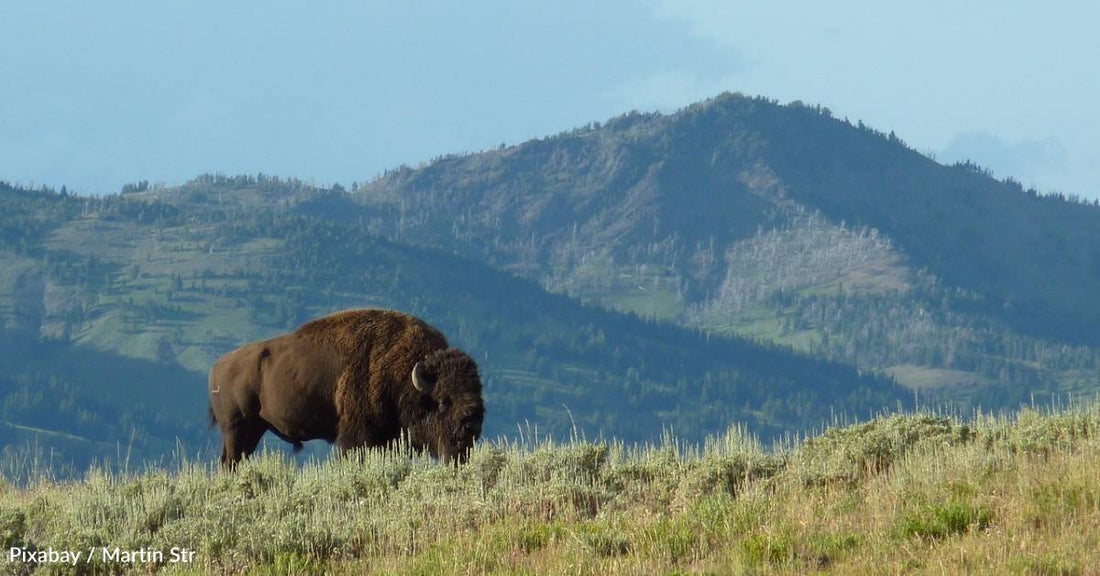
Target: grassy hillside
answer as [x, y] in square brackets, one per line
[120, 304]
[651, 272]
[919, 494]
[742, 216]
[1033, 259]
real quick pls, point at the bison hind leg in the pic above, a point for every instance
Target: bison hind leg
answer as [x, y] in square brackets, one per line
[240, 441]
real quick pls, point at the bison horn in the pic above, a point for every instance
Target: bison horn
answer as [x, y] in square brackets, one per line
[421, 380]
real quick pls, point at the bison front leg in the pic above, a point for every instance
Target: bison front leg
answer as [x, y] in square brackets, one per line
[240, 440]
[360, 439]
[347, 440]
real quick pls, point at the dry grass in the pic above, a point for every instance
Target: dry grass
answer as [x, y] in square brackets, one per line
[903, 494]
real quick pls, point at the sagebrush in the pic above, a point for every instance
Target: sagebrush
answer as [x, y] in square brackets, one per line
[913, 493]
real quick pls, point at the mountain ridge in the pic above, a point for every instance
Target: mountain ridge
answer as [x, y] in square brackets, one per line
[736, 262]
[177, 285]
[756, 156]
[678, 197]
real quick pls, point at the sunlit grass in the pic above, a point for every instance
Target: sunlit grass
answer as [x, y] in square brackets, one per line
[912, 493]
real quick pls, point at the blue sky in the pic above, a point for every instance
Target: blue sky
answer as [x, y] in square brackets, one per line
[97, 94]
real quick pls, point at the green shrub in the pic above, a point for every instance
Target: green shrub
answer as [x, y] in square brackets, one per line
[937, 521]
[767, 548]
[847, 455]
[672, 538]
[13, 528]
[826, 548]
[603, 539]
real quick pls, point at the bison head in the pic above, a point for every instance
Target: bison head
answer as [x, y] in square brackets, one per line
[451, 410]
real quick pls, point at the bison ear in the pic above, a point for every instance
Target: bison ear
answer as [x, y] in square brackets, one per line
[422, 380]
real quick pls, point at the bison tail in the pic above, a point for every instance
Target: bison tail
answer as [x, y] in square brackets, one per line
[210, 413]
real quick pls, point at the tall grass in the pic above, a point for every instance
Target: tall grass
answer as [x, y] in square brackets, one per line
[916, 493]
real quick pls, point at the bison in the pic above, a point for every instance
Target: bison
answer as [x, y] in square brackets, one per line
[356, 378]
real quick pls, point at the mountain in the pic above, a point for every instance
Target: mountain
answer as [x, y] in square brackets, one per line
[114, 308]
[737, 262]
[783, 223]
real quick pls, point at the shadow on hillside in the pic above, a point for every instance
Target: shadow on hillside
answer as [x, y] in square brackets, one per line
[74, 405]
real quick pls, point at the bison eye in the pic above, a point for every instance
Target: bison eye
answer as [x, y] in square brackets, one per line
[444, 404]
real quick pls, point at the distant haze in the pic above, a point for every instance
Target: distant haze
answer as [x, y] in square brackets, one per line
[100, 94]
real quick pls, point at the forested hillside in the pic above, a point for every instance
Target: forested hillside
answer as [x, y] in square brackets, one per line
[739, 215]
[737, 261]
[115, 307]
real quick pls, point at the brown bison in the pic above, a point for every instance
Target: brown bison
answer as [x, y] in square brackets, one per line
[356, 378]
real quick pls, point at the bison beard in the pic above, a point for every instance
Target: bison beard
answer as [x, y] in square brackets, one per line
[357, 378]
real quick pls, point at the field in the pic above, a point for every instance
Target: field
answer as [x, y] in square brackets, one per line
[913, 493]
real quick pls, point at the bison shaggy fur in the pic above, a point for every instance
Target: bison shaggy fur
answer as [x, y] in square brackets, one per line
[357, 378]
